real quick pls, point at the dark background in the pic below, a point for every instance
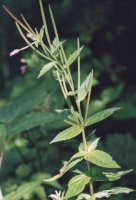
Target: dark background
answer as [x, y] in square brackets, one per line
[108, 30]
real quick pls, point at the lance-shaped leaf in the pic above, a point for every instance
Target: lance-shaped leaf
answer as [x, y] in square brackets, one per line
[113, 191]
[46, 68]
[100, 116]
[101, 159]
[67, 134]
[110, 176]
[92, 146]
[77, 185]
[84, 89]
[115, 176]
[3, 134]
[73, 57]
[75, 159]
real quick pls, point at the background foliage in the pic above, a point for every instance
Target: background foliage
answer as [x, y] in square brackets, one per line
[107, 29]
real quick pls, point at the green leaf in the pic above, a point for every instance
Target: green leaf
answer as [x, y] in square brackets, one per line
[83, 196]
[84, 89]
[22, 105]
[73, 57]
[110, 94]
[110, 176]
[67, 134]
[115, 176]
[100, 116]
[3, 134]
[76, 158]
[30, 121]
[92, 146]
[101, 159]
[113, 191]
[77, 185]
[46, 68]
[24, 189]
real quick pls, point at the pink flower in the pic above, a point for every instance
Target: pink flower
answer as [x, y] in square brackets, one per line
[18, 50]
[23, 69]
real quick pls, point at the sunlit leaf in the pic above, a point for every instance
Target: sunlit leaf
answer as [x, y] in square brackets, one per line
[67, 134]
[77, 185]
[101, 159]
[100, 116]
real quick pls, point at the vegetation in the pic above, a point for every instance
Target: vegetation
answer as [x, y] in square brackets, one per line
[27, 125]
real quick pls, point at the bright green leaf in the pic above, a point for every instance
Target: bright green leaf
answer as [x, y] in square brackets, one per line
[46, 68]
[100, 116]
[67, 134]
[113, 191]
[101, 159]
[77, 185]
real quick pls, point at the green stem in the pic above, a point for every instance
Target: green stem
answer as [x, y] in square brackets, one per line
[87, 163]
[44, 22]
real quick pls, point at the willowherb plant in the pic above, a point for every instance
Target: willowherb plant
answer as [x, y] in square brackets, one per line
[76, 118]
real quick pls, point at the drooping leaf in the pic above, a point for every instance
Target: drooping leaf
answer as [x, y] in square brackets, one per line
[3, 134]
[101, 159]
[110, 176]
[115, 176]
[77, 185]
[67, 134]
[100, 116]
[113, 191]
[22, 190]
[73, 57]
[75, 159]
[84, 89]
[46, 68]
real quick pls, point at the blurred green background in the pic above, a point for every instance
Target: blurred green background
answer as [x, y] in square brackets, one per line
[108, 30]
